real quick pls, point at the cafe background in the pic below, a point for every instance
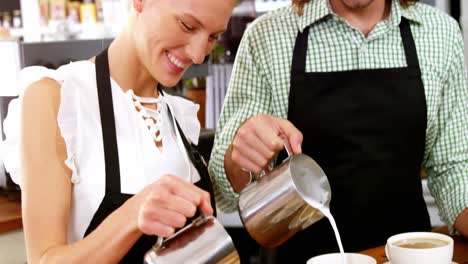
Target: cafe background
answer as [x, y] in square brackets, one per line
[54, 32]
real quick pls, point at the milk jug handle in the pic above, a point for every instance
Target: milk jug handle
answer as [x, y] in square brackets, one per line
[287, 146]
[200, 220]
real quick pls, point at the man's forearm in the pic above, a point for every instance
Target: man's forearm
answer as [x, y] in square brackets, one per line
[238, 178]
[461, 224]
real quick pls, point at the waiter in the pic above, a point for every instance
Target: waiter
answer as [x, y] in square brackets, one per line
[373, 90]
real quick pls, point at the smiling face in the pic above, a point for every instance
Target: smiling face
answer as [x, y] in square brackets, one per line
[170, 35]
[356, 3]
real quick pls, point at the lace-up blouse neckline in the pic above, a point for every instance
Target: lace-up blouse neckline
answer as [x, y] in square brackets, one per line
[152, 118]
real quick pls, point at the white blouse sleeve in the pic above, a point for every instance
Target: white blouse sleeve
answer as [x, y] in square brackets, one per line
[10, 146]
[68, 123]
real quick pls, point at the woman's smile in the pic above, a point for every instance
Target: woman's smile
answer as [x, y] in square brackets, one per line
[175, 64]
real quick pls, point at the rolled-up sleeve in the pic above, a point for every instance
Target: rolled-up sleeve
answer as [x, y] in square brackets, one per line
[447, 164]
[248, 94]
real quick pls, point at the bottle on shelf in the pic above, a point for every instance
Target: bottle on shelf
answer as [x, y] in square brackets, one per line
[88, 12]
[44, 12]
[99, 10]
[57, 9]
[6, 20]
[17, 19]
[73, 12]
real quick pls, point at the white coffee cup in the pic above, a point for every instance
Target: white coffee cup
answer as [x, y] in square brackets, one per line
[336, 258]
[419, 247]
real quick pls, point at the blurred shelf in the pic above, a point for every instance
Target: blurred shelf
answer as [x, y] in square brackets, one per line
[56, 53]
[60, 52]
[197, 70]
[16, 32]
[10, 214]
[263, 6]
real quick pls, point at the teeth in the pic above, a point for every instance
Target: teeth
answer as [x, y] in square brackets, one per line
[175, 61]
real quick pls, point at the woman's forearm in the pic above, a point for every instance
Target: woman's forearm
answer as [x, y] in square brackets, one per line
[108, 243]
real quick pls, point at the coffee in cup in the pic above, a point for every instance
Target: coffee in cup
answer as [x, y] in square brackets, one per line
[420, 247]
[421, 243]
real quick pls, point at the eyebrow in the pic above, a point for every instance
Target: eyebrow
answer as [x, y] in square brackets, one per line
[200, 23]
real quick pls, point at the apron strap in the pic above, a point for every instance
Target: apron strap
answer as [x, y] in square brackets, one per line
[408, 44]
[106, 110]
[300, 52]
[198, 161]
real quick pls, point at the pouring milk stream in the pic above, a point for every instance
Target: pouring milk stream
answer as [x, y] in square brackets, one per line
[286, 200]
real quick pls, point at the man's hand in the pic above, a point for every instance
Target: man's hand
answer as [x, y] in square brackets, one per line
[256, 142]
[461, 224]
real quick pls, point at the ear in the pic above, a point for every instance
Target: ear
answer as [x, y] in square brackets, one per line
[137, 5]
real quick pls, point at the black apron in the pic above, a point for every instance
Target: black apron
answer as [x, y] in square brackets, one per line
[113, 197]
[366, 129]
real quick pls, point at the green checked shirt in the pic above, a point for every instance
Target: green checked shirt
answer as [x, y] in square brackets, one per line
[261, 78]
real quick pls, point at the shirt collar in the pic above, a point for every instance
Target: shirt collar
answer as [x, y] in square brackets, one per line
[398, 11]
[316, 10]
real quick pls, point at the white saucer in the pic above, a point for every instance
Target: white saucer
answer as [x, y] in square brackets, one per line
[388, 262]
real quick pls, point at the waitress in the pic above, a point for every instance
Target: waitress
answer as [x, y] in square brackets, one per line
[373, 90]
[106, 159]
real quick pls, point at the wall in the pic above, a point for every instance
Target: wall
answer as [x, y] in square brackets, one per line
[464, 22]
[441, 4]
[9, 5]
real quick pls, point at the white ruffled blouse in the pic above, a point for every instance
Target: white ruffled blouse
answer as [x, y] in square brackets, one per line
[141, 161]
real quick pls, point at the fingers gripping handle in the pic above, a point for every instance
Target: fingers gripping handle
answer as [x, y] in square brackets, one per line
[287, 147]
[197, 222]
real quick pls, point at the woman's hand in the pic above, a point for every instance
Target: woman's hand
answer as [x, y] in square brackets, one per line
[167, 204]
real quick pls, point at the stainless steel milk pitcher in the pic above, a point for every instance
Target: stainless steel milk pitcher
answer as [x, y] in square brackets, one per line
[203, 241]
[285, 200]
